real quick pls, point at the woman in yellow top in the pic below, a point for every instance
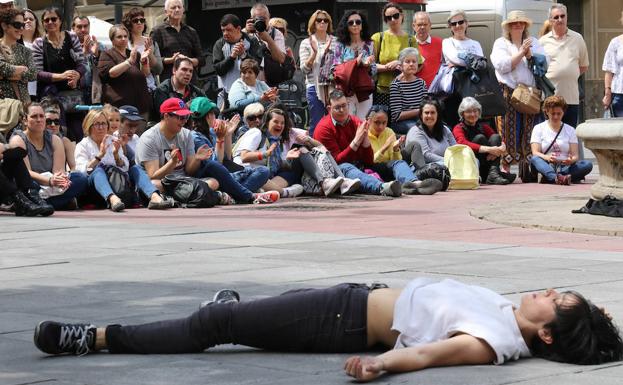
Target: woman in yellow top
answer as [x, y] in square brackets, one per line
[387, 45]
[388, 161]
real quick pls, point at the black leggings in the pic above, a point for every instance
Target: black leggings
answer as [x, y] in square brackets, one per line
[306, 320]
[14, 174]
[493, 141]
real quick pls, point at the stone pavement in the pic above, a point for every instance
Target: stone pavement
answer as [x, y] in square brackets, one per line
[141, 266]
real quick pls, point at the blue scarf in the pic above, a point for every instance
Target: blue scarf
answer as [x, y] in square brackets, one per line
[274, 161]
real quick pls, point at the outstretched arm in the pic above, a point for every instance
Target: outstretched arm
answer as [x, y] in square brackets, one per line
[462, 349]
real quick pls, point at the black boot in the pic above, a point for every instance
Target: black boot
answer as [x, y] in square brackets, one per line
[23, 206]
[494, 176]
[508, 176]
[46, 208]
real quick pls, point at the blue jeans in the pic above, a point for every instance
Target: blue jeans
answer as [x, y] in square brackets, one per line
[78, 185]
[402, 127]
[214, 169]
[316, 109]
[369, 184]
[141, 181]
[578, 170]
[98, 180]
[395, 170]
[617, 105]
[252, 178]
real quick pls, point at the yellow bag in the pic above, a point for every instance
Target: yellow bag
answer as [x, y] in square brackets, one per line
[461, 162]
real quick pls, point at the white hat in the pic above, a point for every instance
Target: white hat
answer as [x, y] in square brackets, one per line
[5, 1]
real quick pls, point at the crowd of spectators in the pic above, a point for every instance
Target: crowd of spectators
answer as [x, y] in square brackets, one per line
[377, 122]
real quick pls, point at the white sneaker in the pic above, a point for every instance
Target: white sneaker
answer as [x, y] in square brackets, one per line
[331, 185]
[292, 191]
[349, 186]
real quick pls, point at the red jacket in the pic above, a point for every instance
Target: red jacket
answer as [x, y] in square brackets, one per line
[354, 79]
[462, 136]
[337, 140]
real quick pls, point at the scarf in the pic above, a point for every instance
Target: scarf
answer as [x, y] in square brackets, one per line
[274, 161]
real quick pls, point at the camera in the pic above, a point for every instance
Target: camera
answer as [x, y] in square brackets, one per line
[259, 24]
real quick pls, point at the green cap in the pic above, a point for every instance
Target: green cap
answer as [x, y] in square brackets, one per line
[201, 106]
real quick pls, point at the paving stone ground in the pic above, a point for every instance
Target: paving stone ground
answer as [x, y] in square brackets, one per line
[141, 266]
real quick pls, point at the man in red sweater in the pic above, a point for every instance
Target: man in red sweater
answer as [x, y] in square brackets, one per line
[346, 137]
[429, 46]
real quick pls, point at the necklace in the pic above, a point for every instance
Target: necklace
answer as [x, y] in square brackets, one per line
[57, 43]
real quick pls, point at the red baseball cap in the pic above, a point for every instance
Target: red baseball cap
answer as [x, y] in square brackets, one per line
[174, 106]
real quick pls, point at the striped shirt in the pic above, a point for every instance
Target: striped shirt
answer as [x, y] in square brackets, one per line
[404, 96]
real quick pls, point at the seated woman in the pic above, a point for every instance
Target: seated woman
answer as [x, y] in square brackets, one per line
[388, 161]
[406, 92]
[46, 161]
[98, 151]
[241, 183]
[53, 125]
[427, 141]
[555, 146]
[429, 323]
[249, 89]
[16, 184]
[251, 118]
[486, 144]
[272, 145]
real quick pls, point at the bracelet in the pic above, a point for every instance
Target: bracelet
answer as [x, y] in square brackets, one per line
[220, 141]
[50, 182]
[98, 158]
[260, 155]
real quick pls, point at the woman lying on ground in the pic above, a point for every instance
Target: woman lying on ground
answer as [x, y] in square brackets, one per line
[427, 324]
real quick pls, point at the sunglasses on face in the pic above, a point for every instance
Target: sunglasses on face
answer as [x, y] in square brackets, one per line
[455, 23]
[18, 24]
[354, 22]
[324, 21]
[52, 19]
[254, 117]
[139, 20]
[53, 122]
[179, 117]
[559, 17]
[395, 16]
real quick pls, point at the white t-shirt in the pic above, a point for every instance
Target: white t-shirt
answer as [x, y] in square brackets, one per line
[153, 145]
[543, 134]
[429, 310]
[451, 47]
[252, 139]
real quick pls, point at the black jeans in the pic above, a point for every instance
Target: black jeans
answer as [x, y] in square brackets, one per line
[304, 320]
[485, 165]
[14, 174]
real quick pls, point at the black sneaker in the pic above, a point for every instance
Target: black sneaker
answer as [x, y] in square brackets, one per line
[223, 296]
[57, 338]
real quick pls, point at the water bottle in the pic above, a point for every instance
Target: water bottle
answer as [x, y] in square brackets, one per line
[84, 107]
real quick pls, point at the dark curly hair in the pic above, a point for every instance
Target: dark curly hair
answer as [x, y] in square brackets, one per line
[127, 20]
[438, 128]
[343, 36]
[8, 16]
[270, 113]
[581, 334]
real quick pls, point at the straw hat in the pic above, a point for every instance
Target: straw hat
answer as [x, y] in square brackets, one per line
[517, 17]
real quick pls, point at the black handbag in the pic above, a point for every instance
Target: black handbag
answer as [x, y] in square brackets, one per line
[484, 88]
[120, 183]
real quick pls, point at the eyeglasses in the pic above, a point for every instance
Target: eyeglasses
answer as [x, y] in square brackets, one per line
[559, 17]
[179, 117]
[355, 22]
[339, 107]
[18, 25]
[139, 20]
[53, 122]
[455, 23]
[100, 125]
[254, 117]
[395, 16]
[320, 20]
[52, 19]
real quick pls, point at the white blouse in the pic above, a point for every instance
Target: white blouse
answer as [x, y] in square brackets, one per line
[87, 149]
[451, 47]
[613, 62]
[501, 56]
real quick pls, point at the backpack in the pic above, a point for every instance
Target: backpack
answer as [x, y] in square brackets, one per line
[276, 72]
[190, 192]
[120, 183]
[463, 166]
[435, 171]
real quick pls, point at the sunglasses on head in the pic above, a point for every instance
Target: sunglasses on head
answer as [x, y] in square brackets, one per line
[254, 117]
[559, 17]
[139, 20]
[322, 20]
[354, 22]
[52, 19]
[395, 16]
[455, 23]
[53, 122]
[18, 24]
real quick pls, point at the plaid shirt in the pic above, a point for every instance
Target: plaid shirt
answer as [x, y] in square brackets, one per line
[170, 41]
